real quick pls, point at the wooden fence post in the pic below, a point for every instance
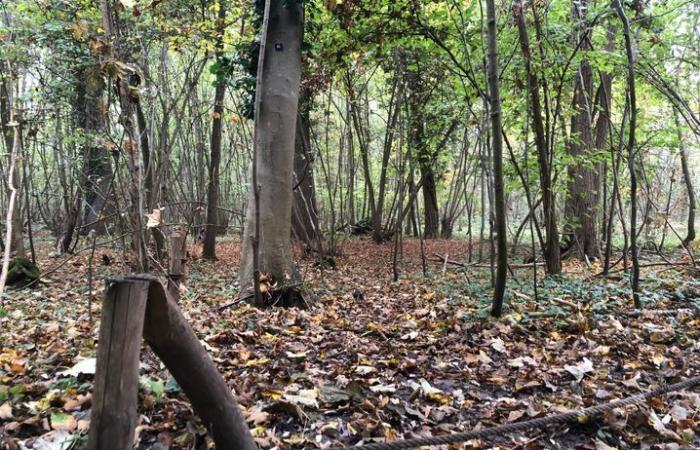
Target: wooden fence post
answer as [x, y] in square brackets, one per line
[141, 306]
[171, 337]
[113, 417]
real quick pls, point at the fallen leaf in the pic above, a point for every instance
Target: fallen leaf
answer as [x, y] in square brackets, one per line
[659, 426]
[498, 345]
[580, 369]
[6, 411]
[365, 370]
[84, 366]
[61, 421]
[305, 397]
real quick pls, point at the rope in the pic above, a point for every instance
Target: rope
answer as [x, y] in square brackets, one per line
[563, 418]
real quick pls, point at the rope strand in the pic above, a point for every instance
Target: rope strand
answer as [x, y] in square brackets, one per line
[520, 426]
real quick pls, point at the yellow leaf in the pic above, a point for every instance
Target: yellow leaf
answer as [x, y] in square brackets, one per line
[272, 394]
[256, 362]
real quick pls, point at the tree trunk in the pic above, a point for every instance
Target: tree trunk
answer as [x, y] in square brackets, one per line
[211, 226]
[688, 180]
[9, 130]
[394, 110]
[126, 81]
[420, 148]
[631, 151]
[553, 252]
[275, 131]
[305, 213]
[497, 149]
[582, 205]
[149, 178]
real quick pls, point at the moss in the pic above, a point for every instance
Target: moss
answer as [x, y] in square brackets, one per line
[22, 272]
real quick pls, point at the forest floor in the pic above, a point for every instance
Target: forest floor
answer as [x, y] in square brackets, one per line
[374, 359]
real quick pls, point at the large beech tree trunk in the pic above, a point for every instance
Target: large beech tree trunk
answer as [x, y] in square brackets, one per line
[275, 132]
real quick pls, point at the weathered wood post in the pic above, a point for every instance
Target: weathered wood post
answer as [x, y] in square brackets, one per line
[113, 417]
[141, 305]
[171, 337]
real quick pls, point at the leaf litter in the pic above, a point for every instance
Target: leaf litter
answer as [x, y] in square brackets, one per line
[417, 357]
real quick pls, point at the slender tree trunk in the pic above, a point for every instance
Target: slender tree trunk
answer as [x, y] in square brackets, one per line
[553, 252]
[497, 142]
[211, 227]
[616, 160]
[364, 153]
[603, 138]
[631, 151]
[305, 226]
[688, 180]
[274, 135]
[351, 165]
[10, 132]
[149, 178]
[395, 106]
[425, 158]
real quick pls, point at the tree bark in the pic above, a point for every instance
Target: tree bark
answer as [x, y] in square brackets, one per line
[497, 150]
[305, 225]
[553, 252]
[211, 226]
[431, 215]
[12, 148]
[97, 166]
[275, 132]
[582, 205]
[688, 180]
[631, 151]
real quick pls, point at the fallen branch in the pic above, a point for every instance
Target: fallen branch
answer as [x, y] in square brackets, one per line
[443, 260]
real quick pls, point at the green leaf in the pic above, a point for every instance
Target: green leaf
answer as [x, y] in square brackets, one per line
[154, 386]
